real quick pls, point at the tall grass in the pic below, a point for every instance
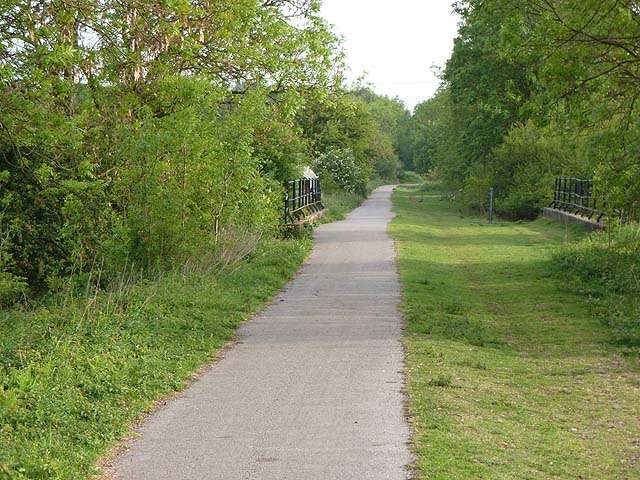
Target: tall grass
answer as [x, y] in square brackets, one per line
[79, 369]
[605, 267]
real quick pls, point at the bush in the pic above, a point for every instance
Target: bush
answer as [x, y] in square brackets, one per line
[520, 206]
[407, 176]
[475, 195]
[11, 288]
[339, 166]
[387, 166]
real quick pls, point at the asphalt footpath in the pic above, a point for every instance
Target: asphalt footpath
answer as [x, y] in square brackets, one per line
[312, 389]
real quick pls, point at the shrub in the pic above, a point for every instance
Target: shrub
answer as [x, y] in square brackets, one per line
[475, 194]
[387, 166]
[340, 166]
[520, 206]
[11, 288]
[407, 176]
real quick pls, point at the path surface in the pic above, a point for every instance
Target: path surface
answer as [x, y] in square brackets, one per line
[313, 388]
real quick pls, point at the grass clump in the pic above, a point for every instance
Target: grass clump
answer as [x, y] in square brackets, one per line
[339, 203]
[75, 373]
[605, 268]
[508, 374]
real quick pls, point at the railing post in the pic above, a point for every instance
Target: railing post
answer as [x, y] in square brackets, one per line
[579, 195]
[286, 208]
[588, 192]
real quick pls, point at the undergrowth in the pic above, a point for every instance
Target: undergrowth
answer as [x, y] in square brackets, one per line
[605, 268]
[78, 370]
[409, 177]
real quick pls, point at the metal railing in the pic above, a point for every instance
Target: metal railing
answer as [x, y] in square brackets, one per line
[574, 195]
[302, 198]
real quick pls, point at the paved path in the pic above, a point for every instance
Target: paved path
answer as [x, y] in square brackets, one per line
[313, 388]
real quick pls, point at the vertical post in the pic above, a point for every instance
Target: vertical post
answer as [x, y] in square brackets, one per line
[286, 207]
[490, 205]
[308, 184]
[286, 202]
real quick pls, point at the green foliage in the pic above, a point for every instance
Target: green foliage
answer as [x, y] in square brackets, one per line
[340, 122]
[523, 167]
[393, 146]
[147, 146]
[12, 288]
[341, 169]
[496, 345]
[475, 194]
[520, 205]
[375, 128]
[486, 89]
[409, 177]
[535, 89]
[606, 268]
[281, 150]
[435, 139]
[75, 376]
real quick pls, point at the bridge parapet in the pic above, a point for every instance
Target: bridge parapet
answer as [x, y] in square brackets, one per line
[303, 201]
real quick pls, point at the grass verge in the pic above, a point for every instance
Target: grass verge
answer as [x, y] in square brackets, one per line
[509, 375]
[340, 202]
[75, 375]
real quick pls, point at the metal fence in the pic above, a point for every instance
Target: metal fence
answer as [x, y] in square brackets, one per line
[303, 197]
[574, 195]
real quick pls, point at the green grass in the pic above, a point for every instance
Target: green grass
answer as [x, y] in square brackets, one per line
[409, 177]
[339, 202]
[509, 375]
[75, 377]
[605, 267]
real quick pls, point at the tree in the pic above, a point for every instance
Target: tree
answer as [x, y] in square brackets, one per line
[139, 132]
[590, 82]
[433, 136]
[486, 87]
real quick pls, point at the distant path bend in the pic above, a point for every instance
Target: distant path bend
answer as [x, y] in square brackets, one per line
[313, 388]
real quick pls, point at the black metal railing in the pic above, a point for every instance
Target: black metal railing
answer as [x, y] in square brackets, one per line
[302, 198]
[574, 195]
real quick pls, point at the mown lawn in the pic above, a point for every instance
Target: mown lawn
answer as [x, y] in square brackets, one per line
[509, 376]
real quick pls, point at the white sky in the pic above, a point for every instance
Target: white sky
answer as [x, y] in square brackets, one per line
[396, 42]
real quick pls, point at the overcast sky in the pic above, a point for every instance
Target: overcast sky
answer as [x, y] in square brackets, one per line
[396, 42]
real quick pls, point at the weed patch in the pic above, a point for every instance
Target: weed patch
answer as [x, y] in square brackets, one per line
[75, 374]
[605, 268]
